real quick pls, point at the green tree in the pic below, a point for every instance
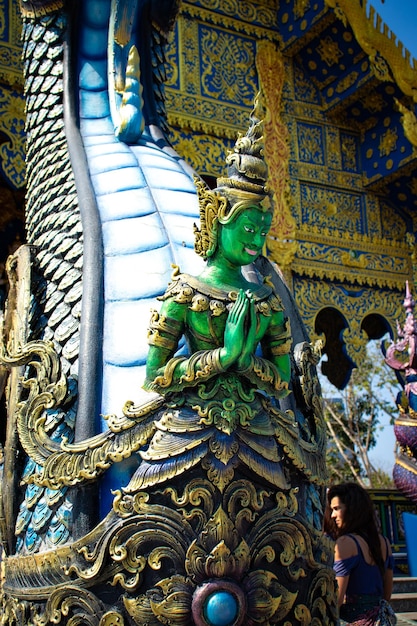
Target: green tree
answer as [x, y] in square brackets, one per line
[353, 420]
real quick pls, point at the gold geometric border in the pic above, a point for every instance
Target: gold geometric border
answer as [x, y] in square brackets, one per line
[364, 260]
[257, 23]
[205, 116]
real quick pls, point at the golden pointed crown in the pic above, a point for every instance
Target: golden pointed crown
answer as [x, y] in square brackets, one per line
[245, 185]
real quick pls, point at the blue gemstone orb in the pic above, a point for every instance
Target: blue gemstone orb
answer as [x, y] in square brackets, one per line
[221, 608]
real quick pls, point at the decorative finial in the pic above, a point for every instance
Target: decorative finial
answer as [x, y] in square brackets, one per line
[247, 169]
[245, 185]
[409, 302]
[401, 355]
[410, 325]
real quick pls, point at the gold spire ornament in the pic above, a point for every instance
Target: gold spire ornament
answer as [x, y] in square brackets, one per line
[244, 187]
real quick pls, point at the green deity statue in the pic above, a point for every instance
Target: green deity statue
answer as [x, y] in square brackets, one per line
[224, 316]
[239, 439]
[219, 476]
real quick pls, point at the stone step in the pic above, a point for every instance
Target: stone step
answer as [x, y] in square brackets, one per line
[407, 619]
[404, 598]
[404, 602]
[405, 584]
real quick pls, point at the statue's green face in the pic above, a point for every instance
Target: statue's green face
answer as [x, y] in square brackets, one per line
[242, 240]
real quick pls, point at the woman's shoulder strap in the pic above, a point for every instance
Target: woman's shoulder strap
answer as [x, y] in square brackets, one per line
[354, 539]
[358, 545]
[350, 536]
[387, 547]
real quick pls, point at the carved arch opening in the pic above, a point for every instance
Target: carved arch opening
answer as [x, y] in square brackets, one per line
[338, 367]
[332, 324]
[376, 326]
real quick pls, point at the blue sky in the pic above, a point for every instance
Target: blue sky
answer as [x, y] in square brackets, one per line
[382, 456]
[401, 17]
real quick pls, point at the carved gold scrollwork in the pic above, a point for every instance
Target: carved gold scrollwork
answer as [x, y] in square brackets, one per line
[201, 542]
[355, 339]
[69, 604]
[321, 595]
[307, 356]
[14, 611]
[409, 122]
[13, 333]
[167, 547]
[65, 463]
[82, 606]
[47, 388]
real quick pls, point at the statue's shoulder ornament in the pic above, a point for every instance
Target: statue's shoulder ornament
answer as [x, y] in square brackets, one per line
[199, 296]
